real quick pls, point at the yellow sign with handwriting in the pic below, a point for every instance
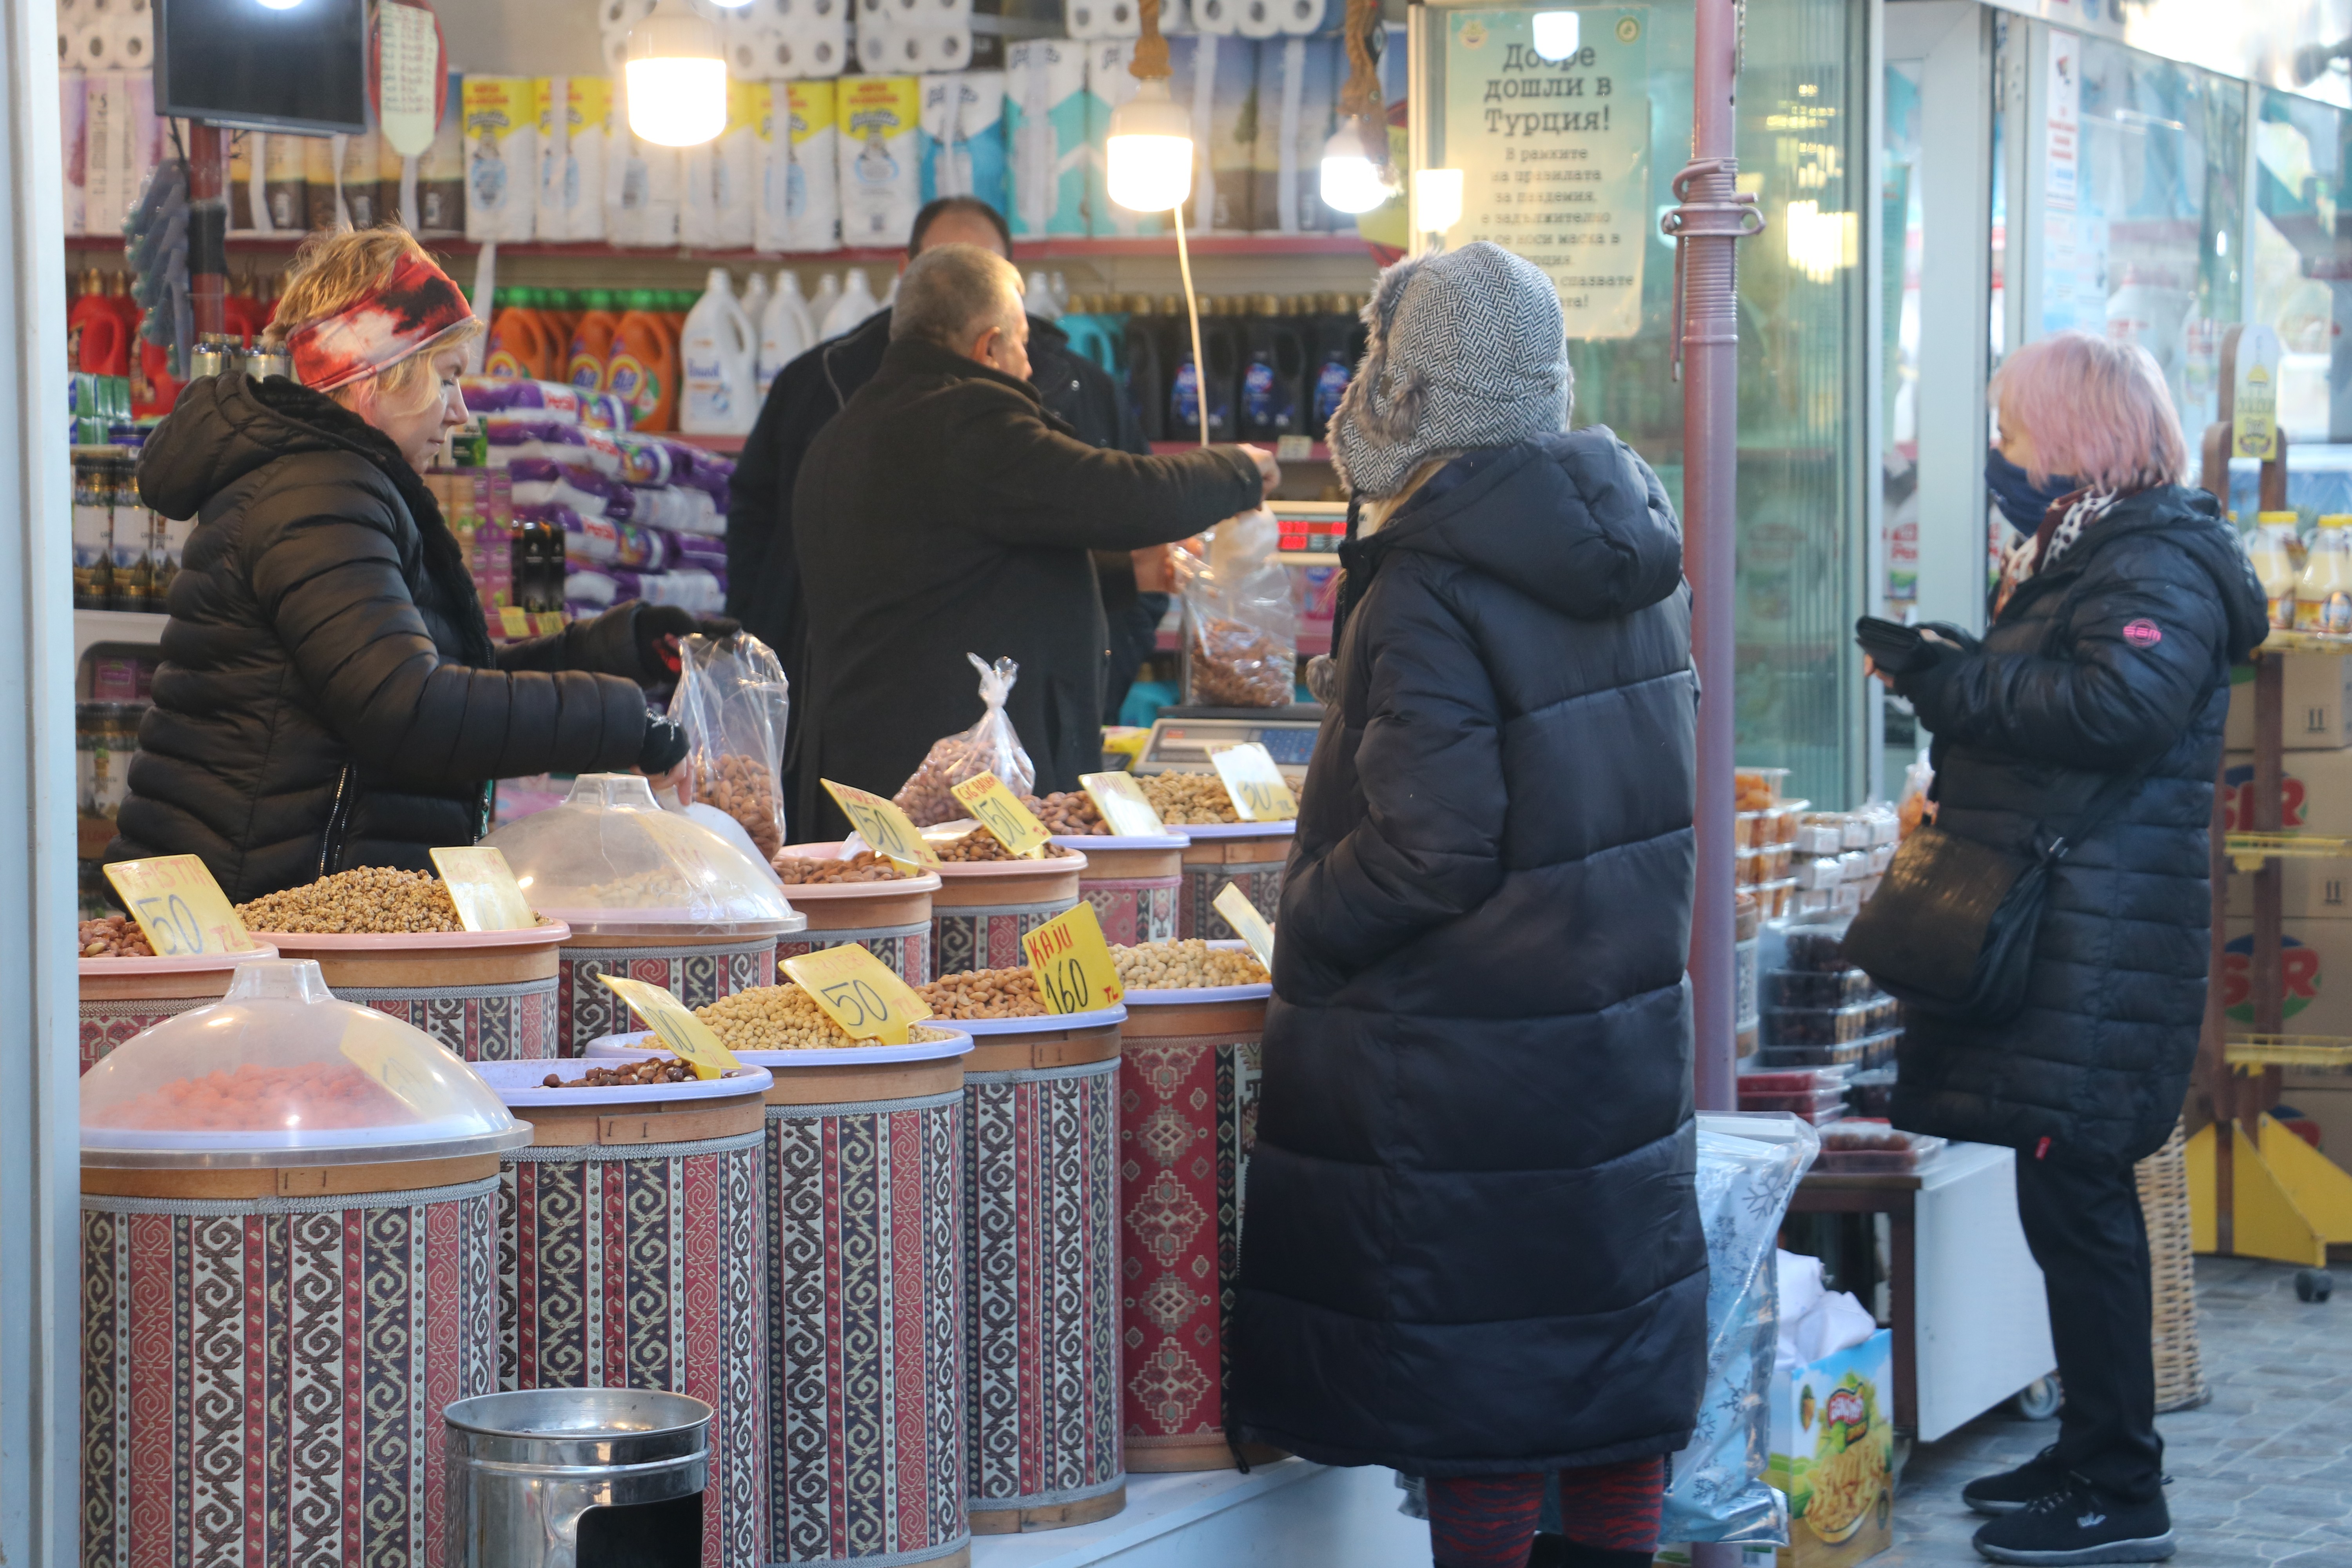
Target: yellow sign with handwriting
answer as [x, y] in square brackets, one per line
[679, 1029]
[483, 886]
[183, 910]
[999, 811]
[1072, 965]
[884, 829]
[858, 992]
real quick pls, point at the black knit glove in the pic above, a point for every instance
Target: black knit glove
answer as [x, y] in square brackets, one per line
[1930, 668]
[658, 627]
[665, 746]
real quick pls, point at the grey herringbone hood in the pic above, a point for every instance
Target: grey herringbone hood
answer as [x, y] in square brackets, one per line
[1467, 351]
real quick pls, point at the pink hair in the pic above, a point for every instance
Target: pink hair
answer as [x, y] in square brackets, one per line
[2097, 411]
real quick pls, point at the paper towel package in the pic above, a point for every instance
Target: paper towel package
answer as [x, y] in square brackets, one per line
[810, 140]
[641, 185]
[697, 189]
[143, 146]
[323, 180]
[502, 157]
[1298, 110]
[881, 173]
[1301, 19]
[588, 132]
[551, 122]
[1215, 78]
[773, 167]
[1221, 17]
[427, 192]
[812, 37]
[735, 167]
[1045, 134]
[963, 136]
[357, 160]
[1110, 83]
[73, 126]
[285, 185]
[1090, 19]
[106, 115]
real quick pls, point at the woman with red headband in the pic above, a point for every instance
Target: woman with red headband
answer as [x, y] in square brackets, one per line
[329, 696]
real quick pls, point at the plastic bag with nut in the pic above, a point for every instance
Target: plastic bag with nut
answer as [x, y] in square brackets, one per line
[1241, 620]
[732, 701]
[989, 746]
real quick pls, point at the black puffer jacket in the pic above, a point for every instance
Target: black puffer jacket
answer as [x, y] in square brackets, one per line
[1471, 1244]
[329, 697]
[2117, 657]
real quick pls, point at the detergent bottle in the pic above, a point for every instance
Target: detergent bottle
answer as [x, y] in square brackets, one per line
[643, 370]
[716, 351]
[754, 303]
[785, 330]
[828, 295]
[245, 314]
[99, 342]
[855, 304]
[592, 342]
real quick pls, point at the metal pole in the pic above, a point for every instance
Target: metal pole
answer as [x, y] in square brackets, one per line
[207, 228]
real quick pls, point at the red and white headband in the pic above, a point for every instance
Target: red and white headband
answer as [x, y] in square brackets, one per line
[417, 304]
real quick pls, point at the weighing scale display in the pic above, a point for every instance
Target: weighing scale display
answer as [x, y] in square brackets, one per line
[1183, 745]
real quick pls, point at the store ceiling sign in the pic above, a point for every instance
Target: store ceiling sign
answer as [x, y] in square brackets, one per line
[2252, 40]
[1555, 155]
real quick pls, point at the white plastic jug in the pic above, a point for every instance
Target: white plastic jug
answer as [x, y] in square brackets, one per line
[1039, 302]
[828, 295]
[721, 393]
[857, 303]
[785, 330]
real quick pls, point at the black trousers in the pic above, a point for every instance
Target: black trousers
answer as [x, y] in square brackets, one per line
[2085, 1227]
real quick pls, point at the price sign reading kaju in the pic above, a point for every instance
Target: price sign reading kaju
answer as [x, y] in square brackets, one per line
[483, 886]
[1554, 154]
[1260, 791]
[1247, 924]
[1120, 801]
[999, 811]
[679, 1029]
[183, 910]
[1072, 966]
[858, 992]
[882, 825]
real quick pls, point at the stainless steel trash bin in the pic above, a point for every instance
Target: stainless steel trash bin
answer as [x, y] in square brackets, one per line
[577, 1478]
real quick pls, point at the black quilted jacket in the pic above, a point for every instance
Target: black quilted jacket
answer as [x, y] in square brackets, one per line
[2117, 657]
[329, 697]
[1471, 1244]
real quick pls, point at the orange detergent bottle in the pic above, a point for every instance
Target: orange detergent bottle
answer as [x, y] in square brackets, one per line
[245, 314]
[591, 343]
[95, 337]
[523, 343]
[642, 368]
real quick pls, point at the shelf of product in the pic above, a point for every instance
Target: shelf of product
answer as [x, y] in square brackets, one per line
[890, 917]
[126, 989]
[281, 1134]
[1135, 883]
[683, 1253]
[645, 893]
[1192, 801]
[1820, 1011]
[1857, 1148]
[1219, 848]
[784, 1017]
[1188, 964]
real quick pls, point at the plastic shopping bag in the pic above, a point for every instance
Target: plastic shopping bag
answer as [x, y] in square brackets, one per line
[989, 746]
[1241, 621]
[732, 701]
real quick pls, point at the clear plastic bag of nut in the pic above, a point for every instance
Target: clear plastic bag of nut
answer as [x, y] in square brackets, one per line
[732, 701]
[1241, 619]
[989, 746]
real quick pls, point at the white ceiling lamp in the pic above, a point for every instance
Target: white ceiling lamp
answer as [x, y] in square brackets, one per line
[1557, 34]
[1148, 153]
[1437, 202]
[1357, 174]
[676, 76]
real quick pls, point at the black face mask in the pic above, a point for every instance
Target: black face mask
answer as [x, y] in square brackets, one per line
[2018, 499]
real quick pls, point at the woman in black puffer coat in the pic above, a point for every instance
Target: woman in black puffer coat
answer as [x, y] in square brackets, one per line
[1471, 1250]
[329, 696]
[2109, 653]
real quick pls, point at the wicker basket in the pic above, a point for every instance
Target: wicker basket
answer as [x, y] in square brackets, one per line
[2172, 1270]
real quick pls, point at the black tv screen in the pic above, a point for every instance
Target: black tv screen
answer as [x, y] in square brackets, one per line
[266, 65]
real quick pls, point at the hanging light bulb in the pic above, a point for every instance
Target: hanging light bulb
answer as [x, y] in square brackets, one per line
[1557, 32]
[1357, 175]
[676, 76]
[1436, 200]
[1150, 151]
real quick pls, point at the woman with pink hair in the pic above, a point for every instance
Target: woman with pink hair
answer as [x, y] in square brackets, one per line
[2107, 663]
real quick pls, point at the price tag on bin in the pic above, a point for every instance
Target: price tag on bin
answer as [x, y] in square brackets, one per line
[999, 811]
[1260, 791]
[1072, 965]
[484, 889]
[858, 992]
[177, 902]
[1247, 924]
[882, 825]
[1120, 802]
[679, 1029]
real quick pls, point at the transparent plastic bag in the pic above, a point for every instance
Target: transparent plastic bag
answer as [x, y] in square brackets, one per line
[1914, 807]
[732, 701]
[1240, 619]
[989, 746]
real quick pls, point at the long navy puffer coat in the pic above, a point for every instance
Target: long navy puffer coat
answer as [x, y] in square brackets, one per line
[1469, 1243]
[2117, 656]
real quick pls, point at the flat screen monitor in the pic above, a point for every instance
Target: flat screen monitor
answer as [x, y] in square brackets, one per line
[266, 65]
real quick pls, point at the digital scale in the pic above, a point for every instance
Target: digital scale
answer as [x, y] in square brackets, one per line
[1183, 738]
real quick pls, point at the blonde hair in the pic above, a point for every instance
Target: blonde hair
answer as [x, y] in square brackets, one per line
[334, 270]
[1375, 514]
[2098, 411]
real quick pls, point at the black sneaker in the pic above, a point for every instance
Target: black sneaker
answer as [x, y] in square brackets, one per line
[2080, 1524]
[2012, 1489]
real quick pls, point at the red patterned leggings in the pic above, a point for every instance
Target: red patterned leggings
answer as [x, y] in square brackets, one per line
[1486, 1522]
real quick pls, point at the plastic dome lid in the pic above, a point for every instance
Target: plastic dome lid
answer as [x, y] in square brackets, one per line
[280, 1072]
[611, 860]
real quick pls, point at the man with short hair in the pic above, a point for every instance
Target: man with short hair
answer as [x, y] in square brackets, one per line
[945, 511]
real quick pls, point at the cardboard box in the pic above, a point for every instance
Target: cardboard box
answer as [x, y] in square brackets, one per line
[1833, 1454]
[2315, 971]
[2314, 792]
[2317, 694]
[2309, 891]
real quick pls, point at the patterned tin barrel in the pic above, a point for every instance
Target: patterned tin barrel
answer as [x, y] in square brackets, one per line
[629, 1238]
[864, 1167]
[984, 908]
[1041, 1268]
[695, 965]
[488, 996]
[1189, 1070]
[1252, 854]
[121, 996]
[1134, 883]
[892, 921]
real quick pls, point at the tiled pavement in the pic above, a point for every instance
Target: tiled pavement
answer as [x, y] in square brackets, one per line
[2260, 1475]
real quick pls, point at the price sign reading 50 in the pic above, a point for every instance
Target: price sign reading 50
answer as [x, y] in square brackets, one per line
[882, 825]
[179, 906]
[999, 811]
[858, 992]
[1072, 966]
[1260, 791]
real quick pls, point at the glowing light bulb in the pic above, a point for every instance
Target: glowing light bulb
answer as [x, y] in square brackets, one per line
[1357, 177]
[1557, 32]
[1436, 199]
[676, 78]
[1149, 151]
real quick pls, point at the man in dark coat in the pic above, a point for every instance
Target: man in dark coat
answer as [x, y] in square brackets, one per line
[763, 576]
[1470, 1249]
[945, 512]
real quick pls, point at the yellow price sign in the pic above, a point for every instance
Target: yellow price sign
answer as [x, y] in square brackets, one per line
[882, 825]
[547, 623]
[858, 992]
[999, 811]
[177, 902]
[483, 886]
[387, 1063]
[1120, 801]
[679, 1029]
[514, 620]
[1247, 924]
[1072, 965]
[1260, 791]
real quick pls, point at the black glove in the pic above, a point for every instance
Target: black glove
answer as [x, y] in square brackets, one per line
[665, 746]
[658, 627]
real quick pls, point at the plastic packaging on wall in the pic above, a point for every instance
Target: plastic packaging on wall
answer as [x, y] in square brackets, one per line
[811, 140]
[879, 161]
[735, 166]
[587, 118]
[1045, 134]
[1298, 110]
[1215, 78]
[502, 157]
[963, 136]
